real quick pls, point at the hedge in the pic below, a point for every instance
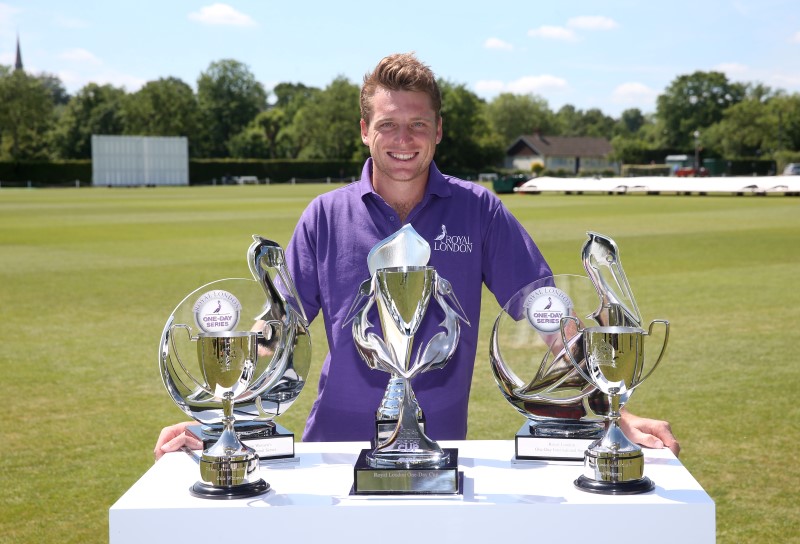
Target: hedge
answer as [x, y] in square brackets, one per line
[636, 170]
[201, 171]
[46, 173]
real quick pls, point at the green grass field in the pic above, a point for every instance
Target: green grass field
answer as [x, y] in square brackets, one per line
[89, 276]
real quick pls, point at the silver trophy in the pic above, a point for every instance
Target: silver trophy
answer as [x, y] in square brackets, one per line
[611, 357]
[233, 355]
[404, 460]
[615, 364]
[530, 366]
[533, 366]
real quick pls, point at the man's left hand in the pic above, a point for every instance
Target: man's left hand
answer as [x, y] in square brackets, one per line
[651, 433]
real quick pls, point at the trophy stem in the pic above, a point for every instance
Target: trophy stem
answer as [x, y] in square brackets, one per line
[408, 446]
[614, 403]
[227, 409]
[388, 413]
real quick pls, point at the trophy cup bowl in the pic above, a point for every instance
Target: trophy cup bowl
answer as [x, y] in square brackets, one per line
[285, 357]
[614, 363]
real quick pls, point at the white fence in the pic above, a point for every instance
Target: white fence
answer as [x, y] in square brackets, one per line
[139, 160]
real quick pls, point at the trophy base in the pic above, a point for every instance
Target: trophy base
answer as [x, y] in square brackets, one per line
[552, 442]
[614, 473]
[631, 487]
[444, 480]
[273, 442]
[203, 490]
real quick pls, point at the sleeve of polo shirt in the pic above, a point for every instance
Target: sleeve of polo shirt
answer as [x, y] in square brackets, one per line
[511, 259]
[301, 259]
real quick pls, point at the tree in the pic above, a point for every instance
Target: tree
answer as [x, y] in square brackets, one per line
[567, 121]
[512, 115]
[228, 97]
[694, 102]
[759, 126]
[571, 121]
[95, 109]
[166, 107]
[745, 130]
[290, 97]
[249, 143]
[468, 143]
[630, 121]
[597, 124]
[53, 84]
[257, 140]
[327, 127]
[283, 138]
[786, 109]
[26, 115]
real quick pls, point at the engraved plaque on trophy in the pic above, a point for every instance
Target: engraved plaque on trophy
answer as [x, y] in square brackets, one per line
[404, 460]
[233, 355]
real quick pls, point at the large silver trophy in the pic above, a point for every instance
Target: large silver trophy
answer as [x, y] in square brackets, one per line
[533, 365]
[404, 459]
[530, 365]
[612, 359]
[233, 355]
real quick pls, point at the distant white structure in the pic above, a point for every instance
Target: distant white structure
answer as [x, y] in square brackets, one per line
[127, 161]
[739, 185]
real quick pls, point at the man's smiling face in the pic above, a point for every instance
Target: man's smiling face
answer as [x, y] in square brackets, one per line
[402, 135]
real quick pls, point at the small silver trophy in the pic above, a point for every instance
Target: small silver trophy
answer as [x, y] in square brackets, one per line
[613, 360]
[615, 364]
[404, 459]
[234, 375]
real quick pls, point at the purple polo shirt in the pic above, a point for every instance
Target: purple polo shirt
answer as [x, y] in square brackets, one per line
[474, 240]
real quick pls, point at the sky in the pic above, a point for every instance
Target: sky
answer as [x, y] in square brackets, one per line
[612, 55]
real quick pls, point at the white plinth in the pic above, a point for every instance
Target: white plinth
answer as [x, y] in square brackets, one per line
[502, 501]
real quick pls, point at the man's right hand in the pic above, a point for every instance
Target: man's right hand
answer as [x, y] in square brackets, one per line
[173, 438]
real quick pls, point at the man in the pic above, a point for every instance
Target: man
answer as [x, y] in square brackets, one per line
[474, 240]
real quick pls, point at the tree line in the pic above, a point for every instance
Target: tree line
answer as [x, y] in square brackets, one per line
[232, 115]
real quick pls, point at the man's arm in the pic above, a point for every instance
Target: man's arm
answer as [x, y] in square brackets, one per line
[651, 433]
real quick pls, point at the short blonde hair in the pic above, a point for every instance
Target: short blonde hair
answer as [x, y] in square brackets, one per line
[400, 72]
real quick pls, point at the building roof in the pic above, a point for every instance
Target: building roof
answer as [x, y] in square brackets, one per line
[563, 146]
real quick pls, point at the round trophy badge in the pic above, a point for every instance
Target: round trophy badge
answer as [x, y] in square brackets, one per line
[217, 311]
[545, 307]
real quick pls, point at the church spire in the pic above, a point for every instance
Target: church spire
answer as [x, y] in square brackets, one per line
[18, 62]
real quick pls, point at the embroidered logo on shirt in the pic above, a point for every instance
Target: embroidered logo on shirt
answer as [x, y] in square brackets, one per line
[451, 243]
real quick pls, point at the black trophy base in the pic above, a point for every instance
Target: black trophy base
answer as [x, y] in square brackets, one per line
[631, 487]
[203, 490]
[533, 444]
[444, 480]
[270, 443]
